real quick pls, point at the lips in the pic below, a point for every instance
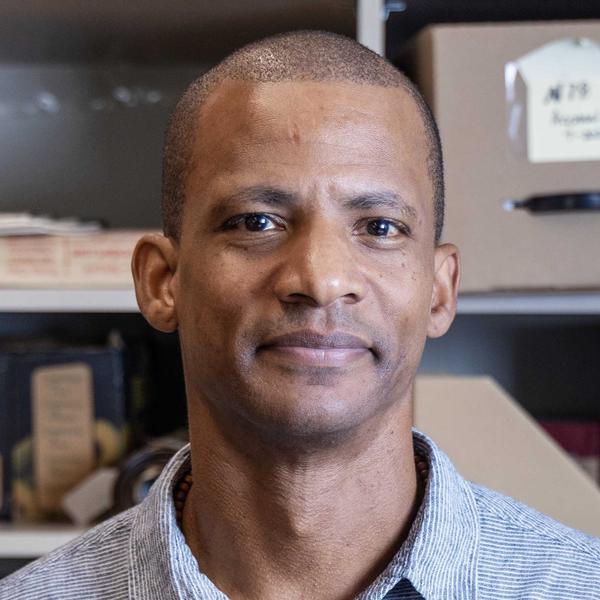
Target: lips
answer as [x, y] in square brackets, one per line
[311, 348]
[306, 338]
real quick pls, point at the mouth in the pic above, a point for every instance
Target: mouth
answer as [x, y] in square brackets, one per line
[310, 348]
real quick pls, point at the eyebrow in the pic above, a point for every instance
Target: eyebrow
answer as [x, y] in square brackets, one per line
[256, 194]
[385, 199]
[276, 197]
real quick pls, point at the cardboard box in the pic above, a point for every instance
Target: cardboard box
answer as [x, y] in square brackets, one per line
[494, 442]
[91, 260]
[490, 156]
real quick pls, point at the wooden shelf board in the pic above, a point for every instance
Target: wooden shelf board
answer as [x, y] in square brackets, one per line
[123, 300]
[543, 303]
[31, 541]
[67, 300]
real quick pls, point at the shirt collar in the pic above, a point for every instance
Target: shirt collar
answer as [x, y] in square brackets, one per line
[161, 564]
[439, 556]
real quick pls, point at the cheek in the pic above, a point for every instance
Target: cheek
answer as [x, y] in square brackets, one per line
[207, 280]
[404, 290]
[405, 284]
[209, 300]
[217, 294]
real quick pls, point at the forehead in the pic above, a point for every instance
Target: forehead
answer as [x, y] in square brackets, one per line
[298, 133]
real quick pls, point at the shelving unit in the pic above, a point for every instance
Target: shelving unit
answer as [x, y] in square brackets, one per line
[18, 541]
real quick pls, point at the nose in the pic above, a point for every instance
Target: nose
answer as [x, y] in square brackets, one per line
[320, 268]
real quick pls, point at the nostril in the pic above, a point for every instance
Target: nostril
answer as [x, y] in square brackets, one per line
[300, 298]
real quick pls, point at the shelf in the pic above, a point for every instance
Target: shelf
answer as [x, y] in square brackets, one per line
[123, 300]
[67, 300]
[548, 303]
[31, 541]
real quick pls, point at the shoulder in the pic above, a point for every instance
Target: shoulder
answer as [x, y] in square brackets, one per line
[520, 547]
[94, 565]
[502, 516]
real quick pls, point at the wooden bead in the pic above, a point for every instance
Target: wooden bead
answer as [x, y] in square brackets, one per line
[180, 492]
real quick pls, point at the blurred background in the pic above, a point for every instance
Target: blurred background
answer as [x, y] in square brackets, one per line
[92, 400]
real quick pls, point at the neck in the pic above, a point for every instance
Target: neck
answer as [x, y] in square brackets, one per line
[294, 519]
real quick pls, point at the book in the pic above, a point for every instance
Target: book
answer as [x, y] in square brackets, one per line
[580, 439]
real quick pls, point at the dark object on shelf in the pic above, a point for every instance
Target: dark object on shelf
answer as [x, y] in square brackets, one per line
[556, 368]
[557, 203]
[166, 409]
[140, 471]
[138, 378]
[63, 416]
[581, 439]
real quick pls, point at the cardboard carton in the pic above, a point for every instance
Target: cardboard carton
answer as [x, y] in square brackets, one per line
[492, 153]
[88, 260]
[494, 442]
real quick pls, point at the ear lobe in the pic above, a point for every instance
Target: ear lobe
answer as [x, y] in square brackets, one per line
[154, 268]
[445, 289]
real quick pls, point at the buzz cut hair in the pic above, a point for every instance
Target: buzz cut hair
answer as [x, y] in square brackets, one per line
[293, 56]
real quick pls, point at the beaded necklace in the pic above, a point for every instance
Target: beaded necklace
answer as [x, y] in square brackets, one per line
[182, 488]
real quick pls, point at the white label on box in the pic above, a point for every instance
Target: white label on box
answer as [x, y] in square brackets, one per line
[562, 81]
[63, 413]
[563, 119]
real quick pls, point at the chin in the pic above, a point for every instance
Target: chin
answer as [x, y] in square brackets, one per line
[309, 417]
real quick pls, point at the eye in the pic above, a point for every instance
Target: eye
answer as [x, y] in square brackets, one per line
[385, 228]
[252, 222]
[257, 222]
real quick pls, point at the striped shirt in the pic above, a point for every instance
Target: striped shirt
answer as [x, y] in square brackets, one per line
[466, 542]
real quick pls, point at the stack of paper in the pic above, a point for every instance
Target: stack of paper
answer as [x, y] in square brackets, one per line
[28, 224]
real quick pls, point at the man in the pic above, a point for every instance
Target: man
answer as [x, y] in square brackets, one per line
[301, 266]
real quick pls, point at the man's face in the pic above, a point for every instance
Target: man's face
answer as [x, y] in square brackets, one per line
[309, 208]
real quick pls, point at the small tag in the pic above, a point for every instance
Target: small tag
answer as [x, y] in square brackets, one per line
[564, 120]
[562, 81]
[62, 407]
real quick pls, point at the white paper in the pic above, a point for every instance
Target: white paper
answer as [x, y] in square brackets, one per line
[563, 101]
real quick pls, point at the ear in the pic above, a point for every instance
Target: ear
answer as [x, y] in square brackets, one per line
[445, 288]
[154, 268]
